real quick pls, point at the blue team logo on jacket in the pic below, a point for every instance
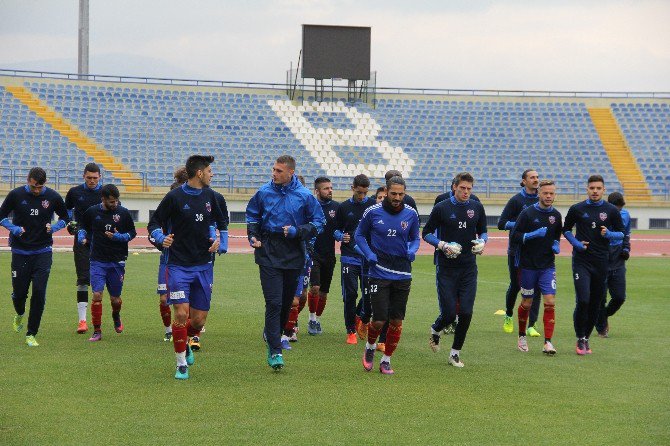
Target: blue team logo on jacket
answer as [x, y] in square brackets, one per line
[471, 213]
[603, 216]
[45, 204]
[208, 207]
[552, 219]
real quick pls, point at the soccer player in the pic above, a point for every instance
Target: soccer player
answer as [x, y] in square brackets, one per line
[180, 177]
[381, 344]
[450, 328]
[109, 228]
[393, 230]
[190, 215]
[598, 223]
[300, 299]
[323, 258]
[526, 197]
[536, 236]
[281, 217]
[222, 226]
[349, 213]
[616, 273]
[31, 238]
[461, 234]
[77, 201]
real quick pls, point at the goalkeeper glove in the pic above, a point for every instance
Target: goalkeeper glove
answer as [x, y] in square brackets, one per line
[72, 228]
[450, 249]
[478, 246]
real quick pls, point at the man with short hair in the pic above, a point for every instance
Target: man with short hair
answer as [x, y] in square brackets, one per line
[451, 328]
[282, 217]
[189, 214]
[107, 228]
[526, 197]
[77, 201]
[536, 236]
[347, 217]
[31, 238]
[392, 229]
[180, 177]
[457, 228]
[323, 259]
[616, 273]
[598, 223]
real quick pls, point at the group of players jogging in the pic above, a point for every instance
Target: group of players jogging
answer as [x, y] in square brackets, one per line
[293, 233]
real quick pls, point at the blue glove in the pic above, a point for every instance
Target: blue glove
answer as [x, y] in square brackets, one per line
[411, 256]
[223, 242]
[613, 235]
[372, 260]
[81, 236]
[212, 233]
[556, 247]
[158, 236]
[60, 224]
[538, 233]
[16, 231]
[338, 235]
[579, 246]
[121, 237]
[12, 228]
[509, 225]
[292, 232]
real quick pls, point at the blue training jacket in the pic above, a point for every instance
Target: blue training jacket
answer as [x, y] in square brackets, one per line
[270, 209]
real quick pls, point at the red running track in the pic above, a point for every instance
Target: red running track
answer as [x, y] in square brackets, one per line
[643, 245]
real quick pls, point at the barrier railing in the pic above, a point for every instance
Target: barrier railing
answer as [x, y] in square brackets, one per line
[343, 89]
[57, 178]
[246, 183]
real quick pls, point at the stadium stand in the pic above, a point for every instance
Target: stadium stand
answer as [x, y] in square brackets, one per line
[139, 133]
[647, 130]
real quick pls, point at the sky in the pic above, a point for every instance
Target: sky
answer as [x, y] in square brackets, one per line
[502, 45]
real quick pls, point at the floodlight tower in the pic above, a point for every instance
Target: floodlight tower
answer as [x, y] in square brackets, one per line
[82, 54]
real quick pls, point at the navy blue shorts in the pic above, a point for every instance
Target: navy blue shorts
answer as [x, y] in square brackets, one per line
[190, 287]
[108, 274]
[531, 279]
[303, 280]
[162, 280]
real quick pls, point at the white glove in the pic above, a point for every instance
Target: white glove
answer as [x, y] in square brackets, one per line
[478, 246]
[450, 249]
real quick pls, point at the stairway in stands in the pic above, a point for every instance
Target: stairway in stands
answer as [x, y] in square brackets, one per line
[131, 181]
[624, 164]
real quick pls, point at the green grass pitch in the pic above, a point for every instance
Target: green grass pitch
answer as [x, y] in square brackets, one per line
[122, 390]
